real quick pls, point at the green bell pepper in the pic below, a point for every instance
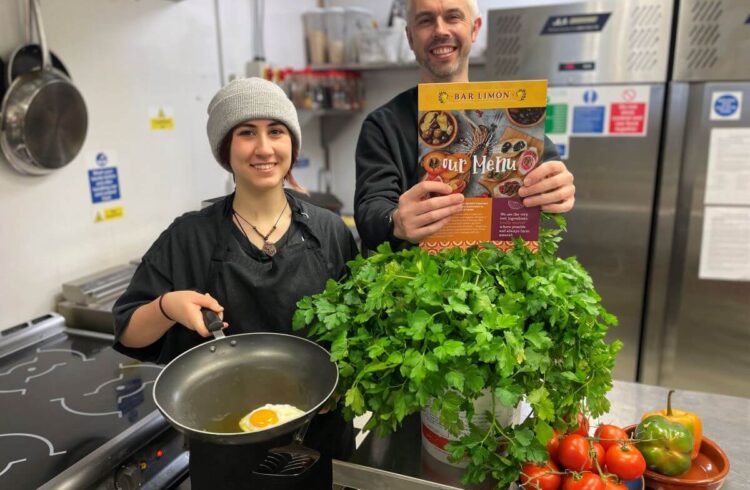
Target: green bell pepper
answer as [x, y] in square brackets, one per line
[665, 445]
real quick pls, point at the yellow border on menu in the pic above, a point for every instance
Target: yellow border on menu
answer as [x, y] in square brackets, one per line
[482, 95]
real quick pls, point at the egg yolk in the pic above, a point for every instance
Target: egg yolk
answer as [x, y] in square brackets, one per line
[263, 418]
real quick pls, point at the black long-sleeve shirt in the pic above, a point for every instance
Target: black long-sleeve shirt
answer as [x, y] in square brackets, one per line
[180, 259]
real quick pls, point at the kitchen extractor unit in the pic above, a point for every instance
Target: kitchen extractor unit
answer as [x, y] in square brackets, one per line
[606, 62]
[698, 322]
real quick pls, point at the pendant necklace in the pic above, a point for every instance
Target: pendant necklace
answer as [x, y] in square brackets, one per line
[269, 248]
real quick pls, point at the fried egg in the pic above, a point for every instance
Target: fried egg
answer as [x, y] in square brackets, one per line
[269, 415]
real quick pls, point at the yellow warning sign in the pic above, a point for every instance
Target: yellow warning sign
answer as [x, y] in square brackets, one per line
[114, 213]
[109, 213]
[161, 118]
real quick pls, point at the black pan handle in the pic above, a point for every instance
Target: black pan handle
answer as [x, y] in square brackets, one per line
[211, 320]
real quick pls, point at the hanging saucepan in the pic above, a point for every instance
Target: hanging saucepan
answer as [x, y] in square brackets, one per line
[28, 58]
[44, 117]
[205, 391]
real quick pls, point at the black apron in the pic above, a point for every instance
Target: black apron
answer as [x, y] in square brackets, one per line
[261, 296]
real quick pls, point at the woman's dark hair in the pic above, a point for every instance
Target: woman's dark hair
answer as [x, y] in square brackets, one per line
[224, 147]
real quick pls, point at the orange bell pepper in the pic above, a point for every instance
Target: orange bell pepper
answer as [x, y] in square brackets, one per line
[687, 419]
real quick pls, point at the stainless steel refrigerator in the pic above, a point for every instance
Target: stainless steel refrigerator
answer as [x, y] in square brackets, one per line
[607, 63]
[697, 333]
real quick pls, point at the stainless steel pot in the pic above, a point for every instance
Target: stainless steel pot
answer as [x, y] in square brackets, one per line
[44, 118]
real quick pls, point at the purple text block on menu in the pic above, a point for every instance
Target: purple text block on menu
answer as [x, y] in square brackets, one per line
[511, 219]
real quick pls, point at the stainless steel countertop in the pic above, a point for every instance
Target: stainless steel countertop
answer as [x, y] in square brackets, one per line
[399, 462]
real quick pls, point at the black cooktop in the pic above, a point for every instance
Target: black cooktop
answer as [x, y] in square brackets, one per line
[61, 399]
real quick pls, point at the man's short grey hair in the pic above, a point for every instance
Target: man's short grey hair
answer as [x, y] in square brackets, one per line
[473, 8]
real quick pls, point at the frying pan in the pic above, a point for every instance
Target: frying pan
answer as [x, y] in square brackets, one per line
[44, 119]
[205, 391]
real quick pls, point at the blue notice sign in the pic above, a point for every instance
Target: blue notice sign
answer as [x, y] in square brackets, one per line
[588, 119]
[575, 24]
[104, 184]
[101, 159]
[590, 96]
[726, 105]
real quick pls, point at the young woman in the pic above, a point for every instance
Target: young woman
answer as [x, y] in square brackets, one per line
[249, 257]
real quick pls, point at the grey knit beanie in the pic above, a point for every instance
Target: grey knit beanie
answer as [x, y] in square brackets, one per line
[249, 98]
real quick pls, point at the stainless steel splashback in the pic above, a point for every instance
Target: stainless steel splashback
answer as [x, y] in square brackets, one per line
[602, 41]
[713, 41]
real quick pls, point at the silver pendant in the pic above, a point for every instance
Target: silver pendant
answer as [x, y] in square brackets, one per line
[269, 249]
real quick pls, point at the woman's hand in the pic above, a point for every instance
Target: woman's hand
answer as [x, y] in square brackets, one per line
[152, 320]
[184, 307]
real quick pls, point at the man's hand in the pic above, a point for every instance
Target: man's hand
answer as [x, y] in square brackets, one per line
[550, 186]
[418, 215]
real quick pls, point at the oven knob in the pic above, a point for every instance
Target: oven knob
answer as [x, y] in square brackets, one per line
[128, 477]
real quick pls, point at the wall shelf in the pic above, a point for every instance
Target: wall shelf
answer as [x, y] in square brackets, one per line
[382, 66]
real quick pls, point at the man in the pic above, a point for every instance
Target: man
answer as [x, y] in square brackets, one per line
[389, 202]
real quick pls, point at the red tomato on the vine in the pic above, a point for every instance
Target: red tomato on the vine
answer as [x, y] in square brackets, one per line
[611, 483]
[600, 457]
[553, 445]
[609, 435]
[625, 461]
[583, 481]
[544, 477]
[575, 453]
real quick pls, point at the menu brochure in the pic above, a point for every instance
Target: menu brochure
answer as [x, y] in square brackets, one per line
[482, 139]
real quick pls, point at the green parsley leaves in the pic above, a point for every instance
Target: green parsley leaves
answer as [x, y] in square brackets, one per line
[408, 326]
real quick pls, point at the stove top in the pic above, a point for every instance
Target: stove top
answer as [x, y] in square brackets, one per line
[62, 398]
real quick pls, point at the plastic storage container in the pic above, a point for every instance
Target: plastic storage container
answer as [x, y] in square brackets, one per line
[382, 45]
[335, 20]
[315, 35]
[405, 54]
[358, 20]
